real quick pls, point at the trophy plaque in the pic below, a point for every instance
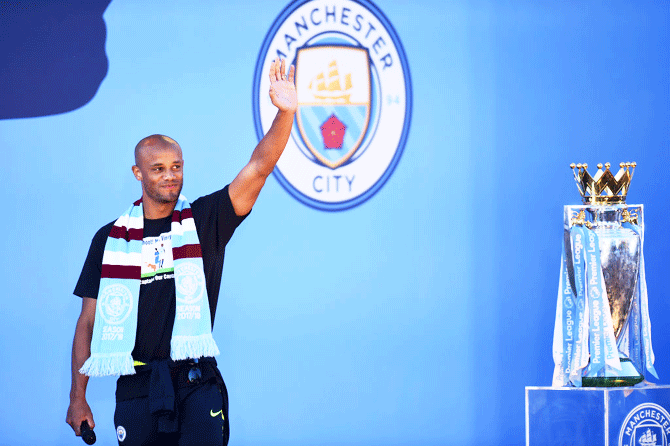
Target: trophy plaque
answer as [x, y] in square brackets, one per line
[602, 334]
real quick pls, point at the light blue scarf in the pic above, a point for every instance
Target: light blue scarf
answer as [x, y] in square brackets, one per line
[116, 311]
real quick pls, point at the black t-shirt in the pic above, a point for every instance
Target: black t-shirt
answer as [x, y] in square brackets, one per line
[215, 221]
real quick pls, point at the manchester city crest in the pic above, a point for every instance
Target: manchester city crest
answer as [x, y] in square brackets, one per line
[646, 425]
[115, 303]
[354, 100]
[189, 282]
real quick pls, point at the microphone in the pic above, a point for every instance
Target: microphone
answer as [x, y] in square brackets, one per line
[87, 433]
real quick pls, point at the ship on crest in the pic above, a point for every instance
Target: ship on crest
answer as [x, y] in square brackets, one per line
[648, 439]
[332, 87]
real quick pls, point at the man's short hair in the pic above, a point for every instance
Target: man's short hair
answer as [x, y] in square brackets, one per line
[154, 141]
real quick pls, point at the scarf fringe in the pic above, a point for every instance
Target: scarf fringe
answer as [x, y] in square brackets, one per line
[105, 365]
[184, 347]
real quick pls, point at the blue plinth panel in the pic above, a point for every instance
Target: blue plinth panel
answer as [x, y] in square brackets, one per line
[596, 416]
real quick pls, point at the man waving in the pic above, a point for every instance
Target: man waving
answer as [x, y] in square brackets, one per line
[152, 326]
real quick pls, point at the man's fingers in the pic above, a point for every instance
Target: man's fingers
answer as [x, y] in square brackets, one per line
[70, 421]
[75, 427]
[278, 70]
[273, 71]
[291, 73]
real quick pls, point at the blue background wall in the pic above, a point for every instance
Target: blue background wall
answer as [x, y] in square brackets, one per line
[415, 318]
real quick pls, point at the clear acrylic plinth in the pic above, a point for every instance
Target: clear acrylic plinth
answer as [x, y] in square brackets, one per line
[597, 416]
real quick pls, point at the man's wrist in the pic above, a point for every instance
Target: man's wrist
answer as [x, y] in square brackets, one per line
[286, 113]
[77, 396]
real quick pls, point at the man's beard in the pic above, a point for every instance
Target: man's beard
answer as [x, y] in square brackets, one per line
[161, 196]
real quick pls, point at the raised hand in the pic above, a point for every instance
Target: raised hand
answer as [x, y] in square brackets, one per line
[282, 90]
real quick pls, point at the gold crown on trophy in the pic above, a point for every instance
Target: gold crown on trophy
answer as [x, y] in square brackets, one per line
[604, 187]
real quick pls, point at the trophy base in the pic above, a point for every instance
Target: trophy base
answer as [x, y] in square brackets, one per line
[618, 416]
[627, 376]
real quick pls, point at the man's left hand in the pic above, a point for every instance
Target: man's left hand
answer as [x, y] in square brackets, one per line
[282, 89]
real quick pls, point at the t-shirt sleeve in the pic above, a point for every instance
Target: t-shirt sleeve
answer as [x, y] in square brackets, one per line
[215, 218]
[89, 280]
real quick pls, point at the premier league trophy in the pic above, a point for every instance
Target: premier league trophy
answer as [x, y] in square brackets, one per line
[602, 335]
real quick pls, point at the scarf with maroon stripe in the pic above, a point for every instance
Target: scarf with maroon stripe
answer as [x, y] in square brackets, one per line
[116, 316]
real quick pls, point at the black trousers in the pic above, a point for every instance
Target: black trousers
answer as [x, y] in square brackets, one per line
[162, 405]
[202, 419]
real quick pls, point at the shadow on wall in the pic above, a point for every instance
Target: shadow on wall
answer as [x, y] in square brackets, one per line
[52, 56]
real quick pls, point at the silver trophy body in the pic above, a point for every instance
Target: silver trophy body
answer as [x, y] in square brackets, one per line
[620, 254]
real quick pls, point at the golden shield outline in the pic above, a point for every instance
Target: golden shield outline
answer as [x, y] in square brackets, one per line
[352, 88]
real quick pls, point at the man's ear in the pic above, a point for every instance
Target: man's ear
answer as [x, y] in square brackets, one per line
[137, 172]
